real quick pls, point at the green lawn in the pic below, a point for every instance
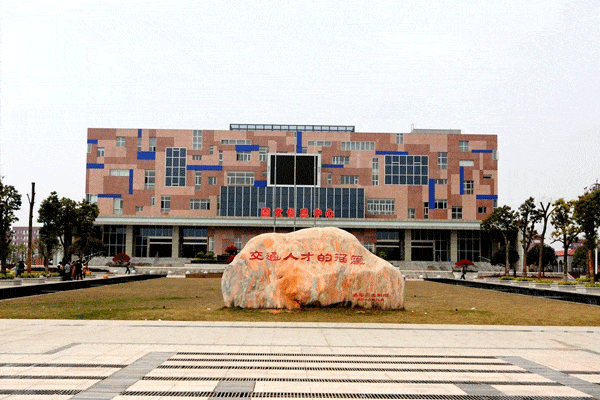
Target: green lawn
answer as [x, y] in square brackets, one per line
[201, 300]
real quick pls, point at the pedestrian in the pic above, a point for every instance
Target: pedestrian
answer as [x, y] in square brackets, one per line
[20, 268]
[464, 271]
[68, 271]
[78, 270]
[127, 270]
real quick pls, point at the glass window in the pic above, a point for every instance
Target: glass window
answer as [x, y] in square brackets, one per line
[399, 138]
[406, 170]
[441, 181]
[466, 163]
[165, 203]
[197, 140]
[468, 187]
[119, 172]
[152, 144]
[100, 152]
[243, 156]
[375, 172]
[139, 144]
[120, 141]
[469, 245]
[199, 204]
[263, 152]
[362, 146]
[113, 238]
[495, 154]
[139, 208]
[441, 204]
[237, 242]
[92, 198]
[89, 148]
[152, 200]
[240, 178]
[349, 179]
[212, 180]
[211, 150]
[329, 178]
[319, 143]
[345, 160]
[411, 213]
[197, 180]
[426, 210]
[211, 243]
[482, 210]
[149, 179]
[463, 146]
[220, 157]
[380, 206]
[118, 206]
[487, 177]
[456, 212]
[197, 157]
[443, 160]
[176, 164]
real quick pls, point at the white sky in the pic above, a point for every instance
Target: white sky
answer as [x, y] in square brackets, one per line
[526, 71]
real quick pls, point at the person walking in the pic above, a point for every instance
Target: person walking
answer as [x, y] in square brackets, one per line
[127, 270]
[464, 272]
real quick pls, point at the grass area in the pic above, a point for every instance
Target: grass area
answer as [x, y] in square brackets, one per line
[201, 300]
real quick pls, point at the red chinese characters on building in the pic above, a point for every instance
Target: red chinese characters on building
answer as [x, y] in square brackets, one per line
[290, 212]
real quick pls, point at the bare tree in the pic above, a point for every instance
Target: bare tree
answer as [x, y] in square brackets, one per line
[566, 229]
[528, 217]
[544, 215]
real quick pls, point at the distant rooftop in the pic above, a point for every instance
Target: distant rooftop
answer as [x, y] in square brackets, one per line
[440, 131]
[302, 128]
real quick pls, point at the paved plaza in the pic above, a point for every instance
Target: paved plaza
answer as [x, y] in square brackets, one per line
[128, 360]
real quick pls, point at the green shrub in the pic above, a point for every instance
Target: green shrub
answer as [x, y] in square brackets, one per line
[507, 278]
[31, 275]
[544, 281]
[200, 254]
[583, 280]
[592, 284]
[7, 276]
[524, 279]
[568, 283]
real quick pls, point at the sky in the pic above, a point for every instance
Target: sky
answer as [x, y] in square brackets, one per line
[528, 72]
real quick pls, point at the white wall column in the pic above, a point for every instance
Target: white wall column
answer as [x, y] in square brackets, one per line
[407, 244]
[453, 245]
[175, 242]
[129, 240]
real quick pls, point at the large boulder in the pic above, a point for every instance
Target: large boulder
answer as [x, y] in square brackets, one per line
[310, 267]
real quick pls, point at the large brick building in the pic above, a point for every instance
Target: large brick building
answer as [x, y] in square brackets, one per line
[174, 192]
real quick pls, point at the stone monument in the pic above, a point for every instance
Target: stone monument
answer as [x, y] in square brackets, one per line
[314, 267]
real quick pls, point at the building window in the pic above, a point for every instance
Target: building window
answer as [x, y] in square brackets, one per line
[197, 140]
[482, 210]
[120, 141]
[349, 179]
[152, 144]
[399, 138]
[468, 189]
[319, 143]
[495, 155]
[211, 244]
[176, 164]
[243, 156]
[149, 179]
[329, 178]
[370, 247]
[89, 150]
[165, 203]
[237, 242]
[263, 153]
[118, 206]
[411, 213]
[466, 163]
[114, 238]
[139, 208]
[236, 141]
[211, 150]
[91, 198]
[345, 160]
[441, 204]
[197, 157]
[406, 170]
[469, 245]
[426, 210]
[380, 206]
[220, 157]
[199, 204]
[240, 178]
[463, 146]
[100, 152]
[487, 177]
[152, 200]
[375, 172]
[212, 180]
[119, 172]
[456, 212]
[440, 181]
[139, 144]
[442, 160]
[358, 146]
[197, 180]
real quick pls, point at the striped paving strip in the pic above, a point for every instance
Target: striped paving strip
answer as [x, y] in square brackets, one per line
[331, 355]
[62, 365]
[306, 368]
[78, 377]
[581, 372]
[348, 380]
[32, 392]
[260, 360]
[291, 395]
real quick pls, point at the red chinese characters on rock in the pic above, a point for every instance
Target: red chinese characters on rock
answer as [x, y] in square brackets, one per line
[322, 257]
[290, 212]
[370, 296]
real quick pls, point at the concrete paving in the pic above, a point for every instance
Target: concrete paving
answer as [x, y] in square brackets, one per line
[127, 360]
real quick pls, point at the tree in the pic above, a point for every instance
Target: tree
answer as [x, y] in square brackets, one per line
[543, 214]
[548, 255]
[499, 257]
[10, 201]
[528, 217]
[504, 221]
[580, 258]
[587, 215]
[66, 219]
[88, 243]
[566, 230]
[47, 244]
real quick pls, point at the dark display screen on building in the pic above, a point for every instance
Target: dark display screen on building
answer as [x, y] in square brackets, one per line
[282, 170]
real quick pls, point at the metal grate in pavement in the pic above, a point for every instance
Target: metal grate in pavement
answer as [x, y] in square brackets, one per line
[82, 377]
[330, 355]
[44, 365]
[31, 392]
[348, 380]
[581, 372]
[305, 368]
[393, 396]
[260, 360]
